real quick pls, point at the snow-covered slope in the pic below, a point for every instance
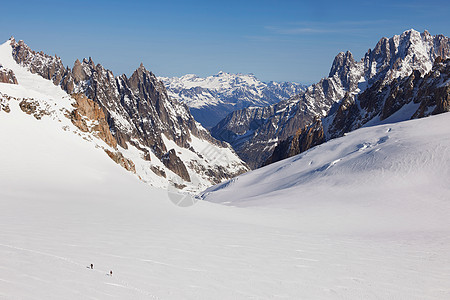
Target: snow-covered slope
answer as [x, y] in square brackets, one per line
[387, 177]
[372, 225]
[145, 132]
[211, 98]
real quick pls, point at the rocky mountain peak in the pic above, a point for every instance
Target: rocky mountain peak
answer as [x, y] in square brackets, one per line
[91, 63]
[49, 67]
[147, 132]
[342, 61]
[343, 66]
[400, 55]
[77, 71]
[406, 70]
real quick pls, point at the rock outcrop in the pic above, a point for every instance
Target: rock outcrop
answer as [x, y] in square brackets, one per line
[121, 160]
[4, 103]
[33, 107]
[89, 117]
[7, 76]
[174, 163]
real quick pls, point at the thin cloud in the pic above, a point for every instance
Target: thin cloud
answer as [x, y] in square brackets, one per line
[304, 28]
[297, 30]
[260, 38]
[268, 38]
[340, 23]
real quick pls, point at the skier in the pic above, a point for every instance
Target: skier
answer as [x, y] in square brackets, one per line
[92, 266]
[110, 273]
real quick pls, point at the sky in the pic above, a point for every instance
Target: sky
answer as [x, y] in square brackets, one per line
[275, 40]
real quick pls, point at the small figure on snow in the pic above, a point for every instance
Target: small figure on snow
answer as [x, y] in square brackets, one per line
[110, 273]
[92, 266]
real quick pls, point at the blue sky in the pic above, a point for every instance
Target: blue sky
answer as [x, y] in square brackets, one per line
[275, 40]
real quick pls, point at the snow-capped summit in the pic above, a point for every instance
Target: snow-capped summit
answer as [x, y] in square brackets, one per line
[211, 98]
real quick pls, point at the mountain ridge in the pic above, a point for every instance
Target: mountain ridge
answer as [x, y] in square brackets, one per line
[142, 124]
[418, 95]
[211, 98]
[255, 135]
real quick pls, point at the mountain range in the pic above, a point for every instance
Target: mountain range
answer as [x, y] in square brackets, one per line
[132, 119]
[254, 133]
[211, 98]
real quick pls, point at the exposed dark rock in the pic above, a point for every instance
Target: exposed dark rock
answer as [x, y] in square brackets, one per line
[7, 76]
[176, 165]
[86, 110]
[118, 158]
[32, 107]
[4, 103]
[158, 171]
[304, 139]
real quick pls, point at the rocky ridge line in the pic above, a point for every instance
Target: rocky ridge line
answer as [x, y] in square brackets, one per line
[255, 133]
[423, 95]
[126, 112]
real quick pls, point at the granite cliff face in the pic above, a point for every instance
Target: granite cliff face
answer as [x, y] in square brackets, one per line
[212, 98]
[136, 118]
[392, 97]
[255, 135]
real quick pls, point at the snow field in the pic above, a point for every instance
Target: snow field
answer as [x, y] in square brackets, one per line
[64, 205]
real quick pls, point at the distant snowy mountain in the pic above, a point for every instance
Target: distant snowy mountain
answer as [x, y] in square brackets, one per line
[132, 119]
[255, 132]
[210, 99]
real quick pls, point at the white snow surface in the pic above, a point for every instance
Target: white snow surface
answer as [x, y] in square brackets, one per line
[361, 217]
